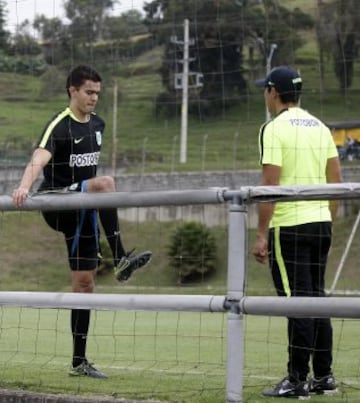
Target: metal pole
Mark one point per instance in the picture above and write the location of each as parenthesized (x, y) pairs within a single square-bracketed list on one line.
[(184, 104), (268, 69), (345, 254), (114, 136), (235, 285)]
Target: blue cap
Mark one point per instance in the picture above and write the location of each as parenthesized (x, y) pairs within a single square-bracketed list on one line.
[(283, 78)]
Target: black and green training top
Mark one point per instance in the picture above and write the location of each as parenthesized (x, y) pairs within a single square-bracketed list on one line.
[(75, 148)]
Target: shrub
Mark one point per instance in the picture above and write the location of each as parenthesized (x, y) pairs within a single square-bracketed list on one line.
[(192, 250)]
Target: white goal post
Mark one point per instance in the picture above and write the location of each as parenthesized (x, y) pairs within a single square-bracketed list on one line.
[(348, 307), (245, 195)]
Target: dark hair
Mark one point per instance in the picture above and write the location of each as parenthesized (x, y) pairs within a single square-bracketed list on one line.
[(292, 96), (79, 75), (288, 97)]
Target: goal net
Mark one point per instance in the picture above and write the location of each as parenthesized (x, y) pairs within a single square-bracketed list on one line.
[(181, 113)]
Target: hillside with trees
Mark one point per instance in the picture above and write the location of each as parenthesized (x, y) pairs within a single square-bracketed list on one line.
[(140, 53), (231, 38)]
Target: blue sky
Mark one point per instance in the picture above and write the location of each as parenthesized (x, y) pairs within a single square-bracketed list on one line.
[(20, 10)]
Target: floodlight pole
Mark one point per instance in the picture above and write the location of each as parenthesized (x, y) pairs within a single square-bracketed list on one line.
[(273, 47), (182, 82), (185, 94)]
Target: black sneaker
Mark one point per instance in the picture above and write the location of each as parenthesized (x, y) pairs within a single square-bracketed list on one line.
[(87, 369), (286, 388), (323, 386), (129, 263)]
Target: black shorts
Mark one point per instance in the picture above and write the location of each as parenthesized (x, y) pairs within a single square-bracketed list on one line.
[(81, 234)]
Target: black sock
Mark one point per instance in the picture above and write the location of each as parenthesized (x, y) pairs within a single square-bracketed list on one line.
[(110, 223), (80, 319)]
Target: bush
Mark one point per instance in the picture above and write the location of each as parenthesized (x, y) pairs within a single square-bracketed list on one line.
[(192, 250), (22, 64)]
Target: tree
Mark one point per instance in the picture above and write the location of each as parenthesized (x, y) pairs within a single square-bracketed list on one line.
[(222, 30), (23, 42), (268, 22), (4, 34), (216, 54), (124, 26), (338, 33), (55, 38), (86, 26)]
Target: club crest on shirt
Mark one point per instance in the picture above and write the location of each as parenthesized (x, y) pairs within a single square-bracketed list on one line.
[(98, 137)]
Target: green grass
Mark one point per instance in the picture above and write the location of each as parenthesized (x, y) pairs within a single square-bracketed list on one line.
[(168, 356), (38, 254), (163, 355), (149, 143), (145, 354)]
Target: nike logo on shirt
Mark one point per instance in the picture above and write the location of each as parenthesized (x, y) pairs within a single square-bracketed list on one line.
[(79, 140)]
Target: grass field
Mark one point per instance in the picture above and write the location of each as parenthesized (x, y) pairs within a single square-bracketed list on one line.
[(177, 357), (29, 266)]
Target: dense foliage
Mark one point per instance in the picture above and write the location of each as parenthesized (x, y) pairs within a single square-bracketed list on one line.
[(231, 38), (192, 250), (222, 31)]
